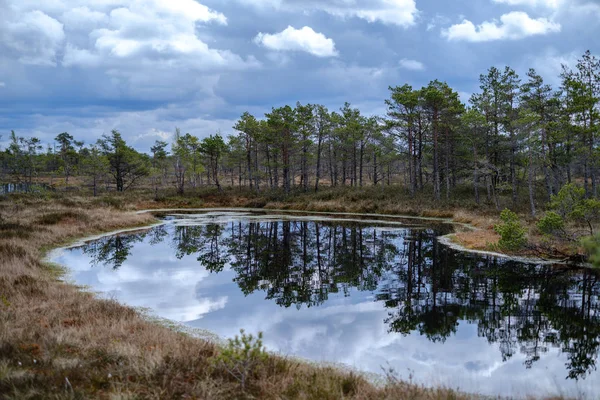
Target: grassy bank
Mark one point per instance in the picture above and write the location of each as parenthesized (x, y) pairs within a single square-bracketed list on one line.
[(57, 341)]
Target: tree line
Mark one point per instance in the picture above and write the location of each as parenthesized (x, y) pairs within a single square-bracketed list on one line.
[(517, 137)]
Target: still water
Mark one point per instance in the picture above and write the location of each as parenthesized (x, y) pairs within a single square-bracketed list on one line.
[(366, 294)]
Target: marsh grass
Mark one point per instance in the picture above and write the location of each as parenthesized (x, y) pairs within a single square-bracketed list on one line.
[(58, 342), (15, 230), (54, 218)]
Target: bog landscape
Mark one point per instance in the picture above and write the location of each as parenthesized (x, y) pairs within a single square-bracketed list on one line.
[(434, 233)]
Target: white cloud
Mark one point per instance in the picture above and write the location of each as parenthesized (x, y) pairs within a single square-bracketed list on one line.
[(552, 4), (559, 8), (34, 37), (152, 32), (2, 84), (512, 26), (391, 12), (189, 9), (114, 34), (82, 18), (292, 39), (140, 128), (436, 21), (412, 65), (549, 64)]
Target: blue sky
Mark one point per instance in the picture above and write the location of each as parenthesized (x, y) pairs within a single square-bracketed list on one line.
[(146, 66)]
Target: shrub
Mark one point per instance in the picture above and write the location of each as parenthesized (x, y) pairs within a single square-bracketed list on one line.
[(241, 356), (567, 200), (570, 204), (591, 244), (588, 212), (109, 201), (552, 224), (512, 234)]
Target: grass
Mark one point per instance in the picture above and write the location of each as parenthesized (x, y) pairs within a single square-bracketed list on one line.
[(59, 342), (54, 218), (481, 240)]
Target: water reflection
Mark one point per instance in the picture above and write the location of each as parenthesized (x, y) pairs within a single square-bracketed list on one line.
[(418, 286)]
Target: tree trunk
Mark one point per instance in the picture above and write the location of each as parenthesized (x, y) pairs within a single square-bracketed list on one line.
[(318, 168), (531, 184), (249, 160), (476, 175), (513, 172), (447, 145), (436, 167), (360, 160)]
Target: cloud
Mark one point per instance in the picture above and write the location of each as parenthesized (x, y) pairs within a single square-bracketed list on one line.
[(412, 65), (437, 20), (140, 127), (557, 7), (512, 26), (292, 39), (114, 34), (549, 64), (34, 38), (552, 4), (145, 66), (390, 12), (82, 18), (157, 33), (2, 84)]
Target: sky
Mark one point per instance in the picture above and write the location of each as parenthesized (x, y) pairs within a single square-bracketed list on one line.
[(144, 67)]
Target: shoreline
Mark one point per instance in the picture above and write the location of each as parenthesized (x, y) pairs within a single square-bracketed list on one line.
[(447, 240)]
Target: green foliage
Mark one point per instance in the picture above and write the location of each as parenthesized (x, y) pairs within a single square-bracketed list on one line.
[(568, 199), (552, 224), (570, 204), (512, 234), (241, 356), (591, 244), (125, 164), (589, 212)]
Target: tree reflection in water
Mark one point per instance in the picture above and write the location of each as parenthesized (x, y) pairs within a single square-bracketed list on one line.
[(425, 286)]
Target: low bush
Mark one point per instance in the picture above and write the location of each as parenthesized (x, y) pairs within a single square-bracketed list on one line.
[(552, 224), (512, 233), (242, 356), (591, 244)]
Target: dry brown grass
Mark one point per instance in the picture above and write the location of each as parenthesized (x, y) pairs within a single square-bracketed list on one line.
[(481, 221), (482, 239)]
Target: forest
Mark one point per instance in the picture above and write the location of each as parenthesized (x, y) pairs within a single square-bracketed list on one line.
[(515, 145)]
